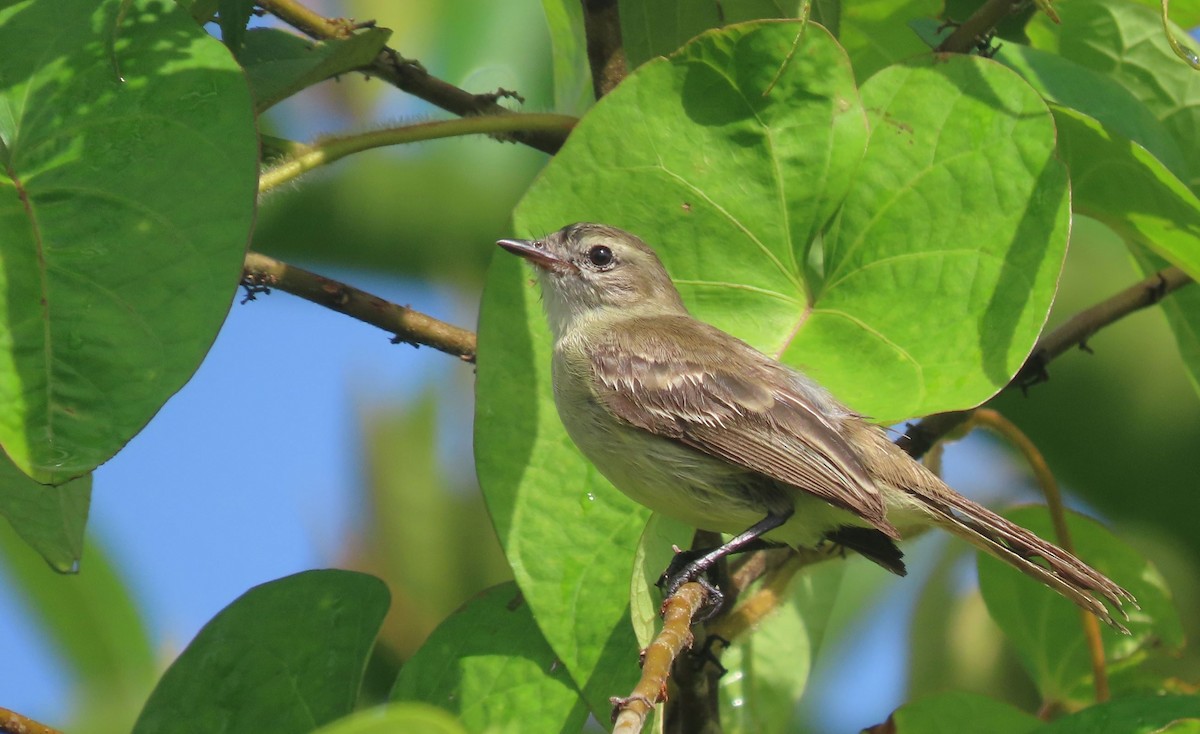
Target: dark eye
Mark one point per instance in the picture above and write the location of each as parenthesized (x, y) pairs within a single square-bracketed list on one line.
[(600, 256)]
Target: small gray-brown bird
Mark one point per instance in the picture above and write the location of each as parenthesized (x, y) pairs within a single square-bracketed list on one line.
[(698, 425)]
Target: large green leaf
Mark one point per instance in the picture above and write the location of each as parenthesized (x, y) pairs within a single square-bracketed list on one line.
[(1045, 628), (960, 207), (1119, 183), (489, 664), (875, 33), (953, 712), (128, 153), (394, 718), (661, 27), (1097, 95), (51, 519), (1126, 43), (286, 656), (1133, 715)]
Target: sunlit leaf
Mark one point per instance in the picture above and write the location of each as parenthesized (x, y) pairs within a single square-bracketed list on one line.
[(286, 656), (1125, 42), (489, 664), (396, 717), (951, 713), (129, 156)]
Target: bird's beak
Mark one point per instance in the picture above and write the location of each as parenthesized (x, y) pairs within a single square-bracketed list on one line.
[(536, 253)]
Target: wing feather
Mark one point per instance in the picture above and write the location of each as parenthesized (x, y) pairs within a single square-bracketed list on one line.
[(685, 380)]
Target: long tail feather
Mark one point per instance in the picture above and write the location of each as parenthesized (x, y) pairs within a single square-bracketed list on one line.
[(1018, 547)]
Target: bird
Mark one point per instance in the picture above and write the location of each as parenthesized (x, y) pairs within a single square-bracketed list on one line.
[(698, 425)]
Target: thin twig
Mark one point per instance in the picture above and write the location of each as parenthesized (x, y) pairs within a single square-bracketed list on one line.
[(13, 723), (606, 51), (327, 150), (993, 421), (261, 273), (1075, 332), (630, 712), (408, 75)]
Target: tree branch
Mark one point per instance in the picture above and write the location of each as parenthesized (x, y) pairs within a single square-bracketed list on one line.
[(630, 712), (408, 75), (606, 51), (327, 150), (261, 273), (1075, 332), (13, 723)]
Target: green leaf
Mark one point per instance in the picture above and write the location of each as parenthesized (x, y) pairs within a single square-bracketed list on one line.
[(948, 713), (1133, 715), (235, 14), (396, 717), (1128, 189), (92, 621), (50, 519), (572, 75), (769, 669), (1125, 42), (1096, 95), (661, 27), (129, 155), (960, 206), (489, 665), (286, 656), (280, 64), (875, 32), (1045, 628), (1182, 310), (569, 536)]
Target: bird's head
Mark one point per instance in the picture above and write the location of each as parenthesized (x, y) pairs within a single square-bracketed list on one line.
[(590, 271)]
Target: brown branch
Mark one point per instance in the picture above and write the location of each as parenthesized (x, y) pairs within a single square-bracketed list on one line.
[(976, 28), (1075, 332), (605, 49), (13, 723), (993, 421), (261, 273), (630, 712), (408, 75)]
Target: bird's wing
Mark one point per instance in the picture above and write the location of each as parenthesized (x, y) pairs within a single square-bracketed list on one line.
[(685, 380)]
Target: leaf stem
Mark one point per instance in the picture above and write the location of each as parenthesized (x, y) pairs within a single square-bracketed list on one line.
[(327, 150), (997, 423), (261, 273)]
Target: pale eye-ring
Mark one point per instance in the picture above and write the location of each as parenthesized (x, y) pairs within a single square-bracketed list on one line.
[(600, 256)]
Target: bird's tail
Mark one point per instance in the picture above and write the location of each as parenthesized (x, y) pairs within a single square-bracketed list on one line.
[(1018, 547)]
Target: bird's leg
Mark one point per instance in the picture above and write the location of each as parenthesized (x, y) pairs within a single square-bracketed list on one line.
[(692, 565)]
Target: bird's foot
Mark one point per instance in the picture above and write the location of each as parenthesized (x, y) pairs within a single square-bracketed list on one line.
[(688, 566)]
